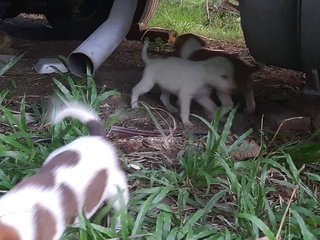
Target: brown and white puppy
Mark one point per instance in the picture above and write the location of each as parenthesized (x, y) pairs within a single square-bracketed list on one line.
[(187, 79), (186, 44), (190, 46), (77, 177)]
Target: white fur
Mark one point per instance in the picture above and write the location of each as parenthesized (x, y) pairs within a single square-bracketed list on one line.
[(75, 110), (96, 153), (192, 44), (186, 79), (144, 53), (189, 47)]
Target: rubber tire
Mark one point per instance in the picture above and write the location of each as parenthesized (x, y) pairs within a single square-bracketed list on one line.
[(310, 35), (271, 31), (5, 10)]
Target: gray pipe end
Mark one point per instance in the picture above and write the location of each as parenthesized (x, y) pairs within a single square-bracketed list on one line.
[(78, 63)]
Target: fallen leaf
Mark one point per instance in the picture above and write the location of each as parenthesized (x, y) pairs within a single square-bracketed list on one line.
[(248, 149)]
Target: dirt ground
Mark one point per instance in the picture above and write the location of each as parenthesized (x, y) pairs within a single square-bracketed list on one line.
[(278, 91)]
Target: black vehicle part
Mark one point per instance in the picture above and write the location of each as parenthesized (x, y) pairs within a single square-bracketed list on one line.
[(12, 8), (310, 34), (270, 31), (78, 19), (283, 33), (4, 5)]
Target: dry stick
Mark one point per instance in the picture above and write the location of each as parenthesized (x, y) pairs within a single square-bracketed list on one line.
[(280, 126), (33, 96), (285, 213), (171, 130), (261, 130), (230, 7), (164, 136), (207, 11)]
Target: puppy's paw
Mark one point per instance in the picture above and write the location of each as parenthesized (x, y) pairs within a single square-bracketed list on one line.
[(134, 105), (117, 229), (188, 124)]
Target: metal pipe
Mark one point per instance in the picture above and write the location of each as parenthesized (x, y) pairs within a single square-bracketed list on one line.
[(103, 41)]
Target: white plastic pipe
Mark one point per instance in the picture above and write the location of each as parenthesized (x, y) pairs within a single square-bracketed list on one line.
[(102, 42)]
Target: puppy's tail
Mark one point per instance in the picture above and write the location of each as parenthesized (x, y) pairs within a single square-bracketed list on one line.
[(80, 112), (144, 53)]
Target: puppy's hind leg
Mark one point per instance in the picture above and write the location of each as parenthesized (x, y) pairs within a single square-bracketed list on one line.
[(165, 99), (144, 86)]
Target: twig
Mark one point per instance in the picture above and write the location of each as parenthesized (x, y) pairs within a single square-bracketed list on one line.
[(280, 126), (229, 7), (208, 11), (286, 212)]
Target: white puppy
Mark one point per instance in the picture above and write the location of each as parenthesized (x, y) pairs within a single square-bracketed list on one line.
[(190, 46), (186, 79), (77, 177)]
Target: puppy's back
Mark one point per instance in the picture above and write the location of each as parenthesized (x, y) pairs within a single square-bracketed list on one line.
[(172, 73), (186, 44)]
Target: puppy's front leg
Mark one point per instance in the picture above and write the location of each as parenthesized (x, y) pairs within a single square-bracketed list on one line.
[(226, 102), (165, 99), (144, 86), (206, 102), (117, 187), (117, 206), (185, 101)]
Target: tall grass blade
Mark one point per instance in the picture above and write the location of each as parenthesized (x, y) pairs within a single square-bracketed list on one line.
[(10, 64), (307, 235), (260, 224)]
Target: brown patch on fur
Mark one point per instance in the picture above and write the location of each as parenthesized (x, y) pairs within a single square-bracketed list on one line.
[(67, 158), (94, 191), (181, 40), (242, 70), (166, 35), (45, 223), (41, 179), (69, 203), (8, 233), (45, 177), (95, 128)]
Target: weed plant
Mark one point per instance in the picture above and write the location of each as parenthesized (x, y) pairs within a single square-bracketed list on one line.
[(208, 196)]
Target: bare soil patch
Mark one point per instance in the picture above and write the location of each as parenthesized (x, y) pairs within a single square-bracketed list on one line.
[(278, 91)]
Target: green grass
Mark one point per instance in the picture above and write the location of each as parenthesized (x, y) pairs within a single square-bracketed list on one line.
[(203, 194), (190, 16)]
